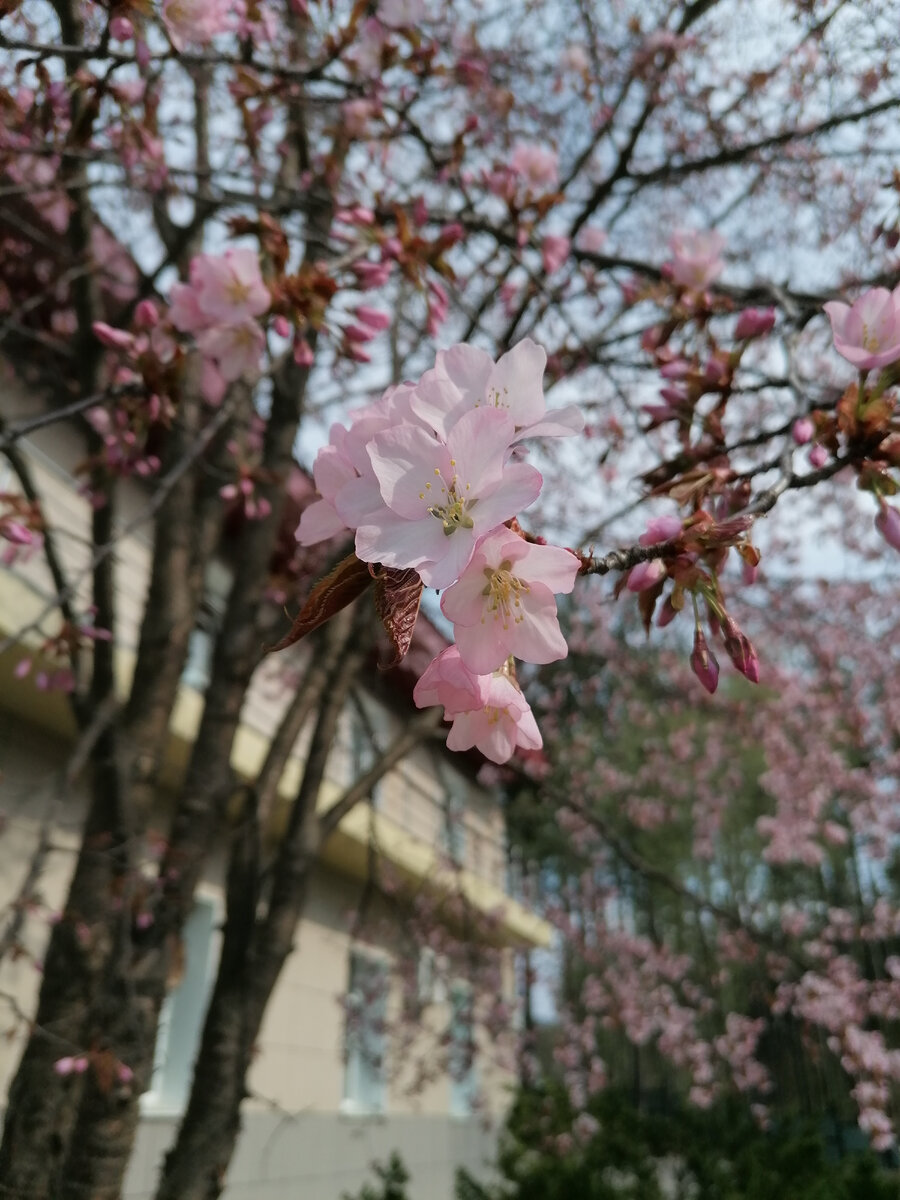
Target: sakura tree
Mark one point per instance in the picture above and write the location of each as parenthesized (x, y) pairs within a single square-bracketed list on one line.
[(227, 228)]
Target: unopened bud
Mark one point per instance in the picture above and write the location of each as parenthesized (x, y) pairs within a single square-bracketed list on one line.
[(741, 650), (803, 431), (704, 663), (754, 322), (887, 522)]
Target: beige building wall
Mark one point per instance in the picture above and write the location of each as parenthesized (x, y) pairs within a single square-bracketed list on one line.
[(427, 812), (296, 1138)]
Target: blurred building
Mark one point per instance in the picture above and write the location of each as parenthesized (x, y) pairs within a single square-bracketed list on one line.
[(331, 1092)]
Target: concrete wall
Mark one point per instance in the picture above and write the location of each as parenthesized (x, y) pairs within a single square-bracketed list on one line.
[(319, 1157)]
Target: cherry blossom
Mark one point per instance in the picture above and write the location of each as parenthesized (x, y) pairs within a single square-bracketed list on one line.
[(502, 725), (537, 166), (465, 377), (696, 262), (449, 682), (503, 603), (229, 287), (867, 332), (440, 497), (235, 349)]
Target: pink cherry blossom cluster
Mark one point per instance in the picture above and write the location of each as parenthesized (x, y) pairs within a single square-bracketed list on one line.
[(429, 477), (218, 307)]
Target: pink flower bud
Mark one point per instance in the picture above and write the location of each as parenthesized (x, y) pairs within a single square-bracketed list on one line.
[(16, 533), (146, 315), (887, 522), (818, 457), (121, 29), (803, 431), (282, 326), (116, 339), (703, 663), (667, 614), (660, 529), (303, 355), (740, 650), (22, 668), (124, 1073), (673, 395), (646, 575), (676, 369), (754, 322), (373, 317), (358, 333)]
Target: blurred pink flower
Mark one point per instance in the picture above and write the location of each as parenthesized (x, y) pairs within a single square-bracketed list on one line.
[(535, 165), (867, 332), (696, 261)]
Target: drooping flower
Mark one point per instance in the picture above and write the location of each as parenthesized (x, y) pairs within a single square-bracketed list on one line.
[(503, 603), (504, 723), (439, 496), (449, 682), (867, 332), (696, 262)]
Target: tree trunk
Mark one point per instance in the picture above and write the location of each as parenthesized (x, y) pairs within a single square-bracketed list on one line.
[(253, 954)]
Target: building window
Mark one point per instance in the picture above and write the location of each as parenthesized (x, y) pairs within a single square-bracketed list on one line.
[(461, 1062), (365, 1089), (182, 1014)]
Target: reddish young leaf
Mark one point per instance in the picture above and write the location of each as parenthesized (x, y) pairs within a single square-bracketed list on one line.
[(340, 587), (397, 597)]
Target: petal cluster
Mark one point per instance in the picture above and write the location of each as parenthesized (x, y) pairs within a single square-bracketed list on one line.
[(428, 478), (218, 306)]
